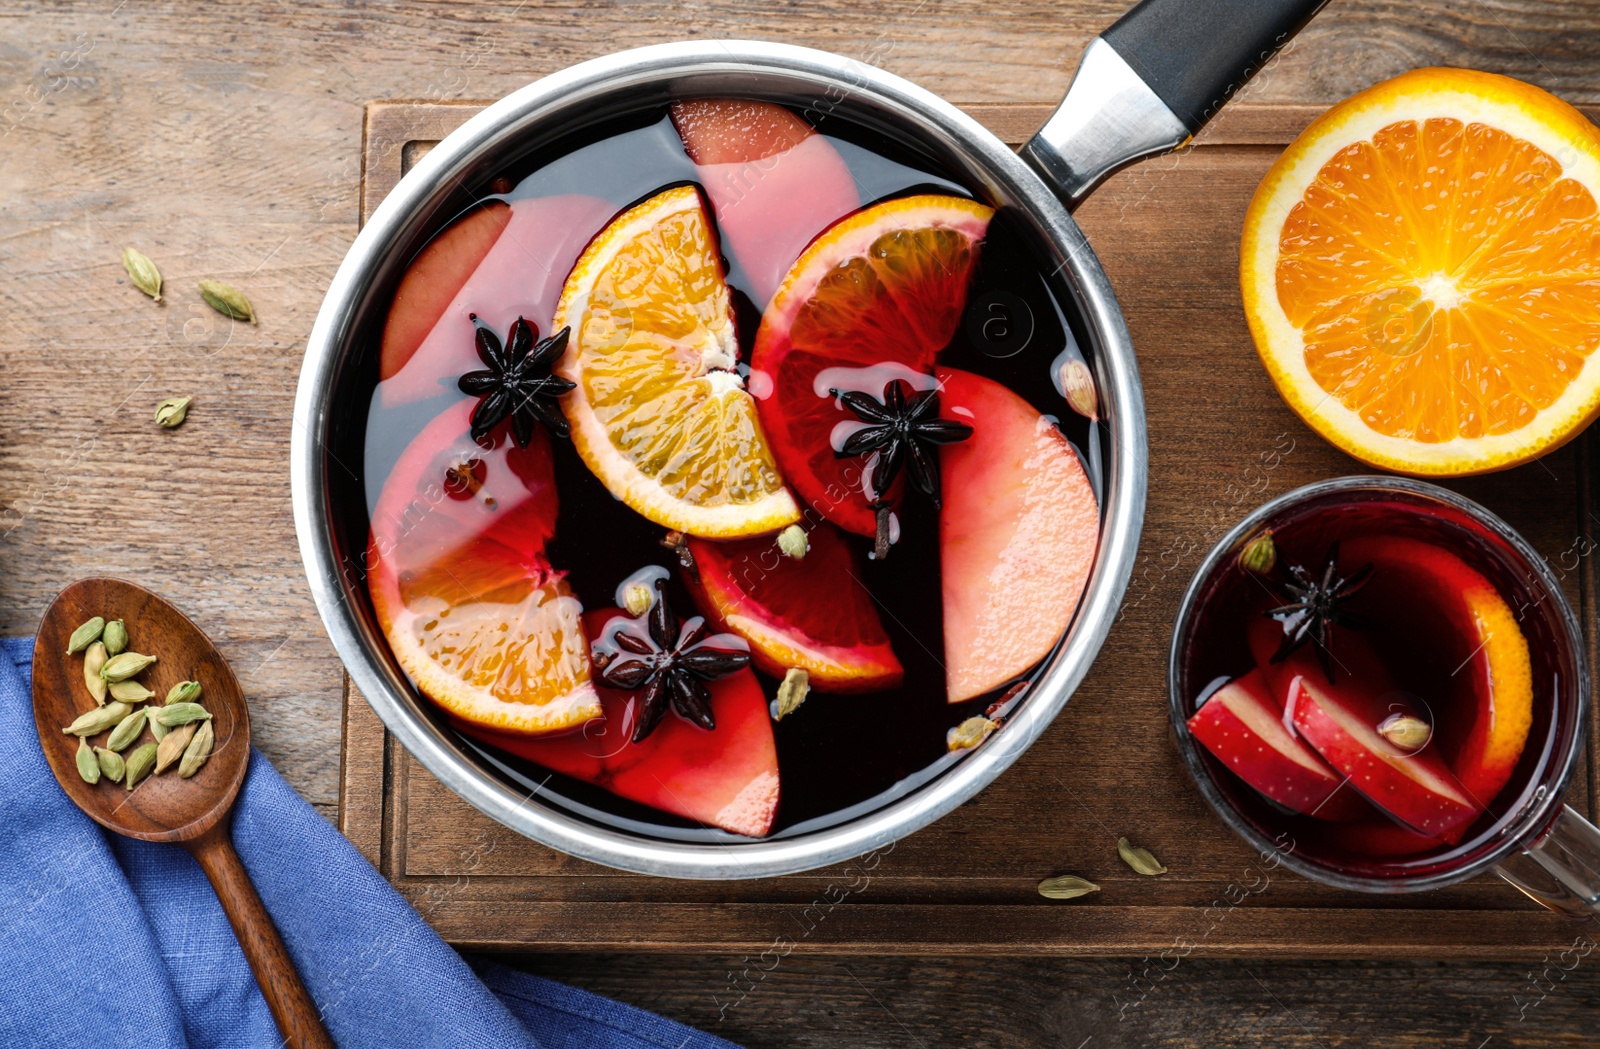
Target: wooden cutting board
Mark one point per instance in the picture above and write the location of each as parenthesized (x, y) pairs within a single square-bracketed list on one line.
[(1221, 443)]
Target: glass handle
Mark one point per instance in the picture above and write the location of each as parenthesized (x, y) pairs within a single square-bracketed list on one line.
[(1560, 869)]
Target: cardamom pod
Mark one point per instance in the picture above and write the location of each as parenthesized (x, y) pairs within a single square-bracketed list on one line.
[(792, 542), (115, 637), (172, 748), (85, 635), (142, 272), (94, 657), (198, 751), (1259, 554), (1066, 887), (637, 599), (1077, 386), (98, 720), (111, 764), (174, 714), (969, 733), (1406, 732), (183, 692), (130, 692), (171, 412), (124, 666), (1143, 861), (130, 729), (139, 764), (227, 300), (792, 692), (88, 764)]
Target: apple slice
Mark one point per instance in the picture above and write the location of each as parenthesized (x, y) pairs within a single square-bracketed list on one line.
[(726, 778), (1340, 721), (774, 183), (1241, 725), (433, 279), (1017, 535), (500, 262)]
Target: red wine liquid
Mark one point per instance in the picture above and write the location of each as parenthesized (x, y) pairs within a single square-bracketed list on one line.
[(1423, 654), (842, 753)]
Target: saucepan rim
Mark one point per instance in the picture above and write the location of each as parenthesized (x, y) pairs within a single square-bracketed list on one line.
[(750, 67)]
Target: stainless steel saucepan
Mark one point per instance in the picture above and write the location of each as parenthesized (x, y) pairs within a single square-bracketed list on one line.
[(1144, 86)]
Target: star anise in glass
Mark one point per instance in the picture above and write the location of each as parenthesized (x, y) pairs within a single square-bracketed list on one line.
[(903, 431), (518, 383), (1314, 605), (670, 661)]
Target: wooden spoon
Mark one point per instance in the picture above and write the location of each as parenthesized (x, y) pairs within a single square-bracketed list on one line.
[(194, 812)]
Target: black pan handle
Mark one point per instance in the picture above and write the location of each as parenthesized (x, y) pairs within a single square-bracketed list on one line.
[(1195, 54), (1153, 79)]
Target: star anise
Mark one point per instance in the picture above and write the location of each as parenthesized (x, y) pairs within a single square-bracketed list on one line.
[(1314, 605), (518, 382), (902, 431), (670, 661)]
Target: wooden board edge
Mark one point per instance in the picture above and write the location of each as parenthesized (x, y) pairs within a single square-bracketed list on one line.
[(1094, 931), (363, 784)]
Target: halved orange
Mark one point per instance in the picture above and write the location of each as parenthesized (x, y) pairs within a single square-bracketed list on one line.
[(462, 590), (873, 300), (659, 413), (1421, 273)]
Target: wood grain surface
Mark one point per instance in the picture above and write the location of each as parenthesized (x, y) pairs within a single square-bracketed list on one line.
[(224, 140)]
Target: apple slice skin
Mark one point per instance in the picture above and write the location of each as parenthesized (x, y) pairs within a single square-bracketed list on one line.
[(1418, 789), (774, 182), (1241, 725), (1018, 534), (500, 262), (433, 279), (725, 778)]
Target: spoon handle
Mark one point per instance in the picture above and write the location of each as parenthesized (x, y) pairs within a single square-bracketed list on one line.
[(297, 1016)]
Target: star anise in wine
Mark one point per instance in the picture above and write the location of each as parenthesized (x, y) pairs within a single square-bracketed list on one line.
[(518, 384), (670, 661), (1314, 605), (903, 431)]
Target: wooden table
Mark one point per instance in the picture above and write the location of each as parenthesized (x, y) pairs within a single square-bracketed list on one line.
[(224, 140)]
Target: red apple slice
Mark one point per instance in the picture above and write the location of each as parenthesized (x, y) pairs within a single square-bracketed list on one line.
[(774, 183), (433, 279), (500, 262), (1017, 535), (1340, 721), (725, 778), (1241, 725)]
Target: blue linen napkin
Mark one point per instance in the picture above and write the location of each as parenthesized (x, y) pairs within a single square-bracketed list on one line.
[(109, 941)]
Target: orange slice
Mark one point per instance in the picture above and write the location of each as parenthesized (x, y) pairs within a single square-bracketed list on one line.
[(659, 413), (873, 300), (1495, 678), (1421, 273), (461, 587), (812, 614)]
